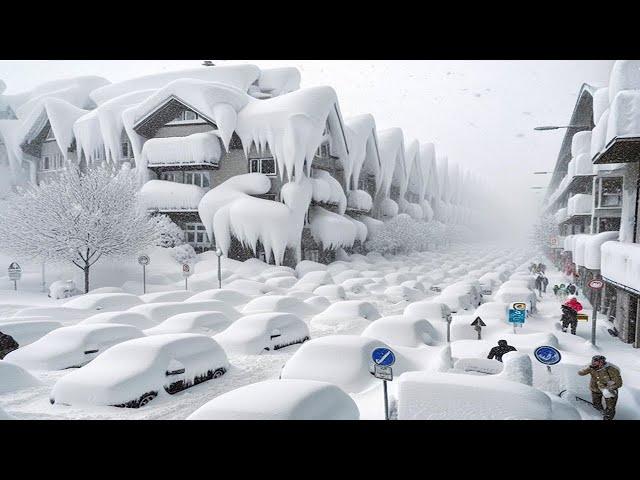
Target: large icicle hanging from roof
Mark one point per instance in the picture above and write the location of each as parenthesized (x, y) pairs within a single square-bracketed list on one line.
[(292, 126)]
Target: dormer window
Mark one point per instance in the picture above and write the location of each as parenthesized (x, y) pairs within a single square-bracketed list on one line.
[(50, 135)]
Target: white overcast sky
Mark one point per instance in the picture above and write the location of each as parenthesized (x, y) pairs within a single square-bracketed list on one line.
[(480, 113)]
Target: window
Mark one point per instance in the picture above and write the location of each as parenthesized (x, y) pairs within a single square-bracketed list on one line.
[(186, 116), (170, 177), (126, 149), (45, 163), (196, 235), (262, 165), (609, 192), (200, 179), (50, 135), (323, 151), (311, 254), (608, 224)]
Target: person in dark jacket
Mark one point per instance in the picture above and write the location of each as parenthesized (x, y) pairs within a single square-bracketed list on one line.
[(7, 345), (569, 317), (555, 289), (500, 350), (572, 289), (542, 267), (605, 382), (545, 282), (538, 284)]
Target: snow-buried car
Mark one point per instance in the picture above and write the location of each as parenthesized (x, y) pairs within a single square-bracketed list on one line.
[(133, 373)]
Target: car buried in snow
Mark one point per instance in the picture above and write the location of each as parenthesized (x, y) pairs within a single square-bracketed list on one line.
[(133, 373), (253, 334)]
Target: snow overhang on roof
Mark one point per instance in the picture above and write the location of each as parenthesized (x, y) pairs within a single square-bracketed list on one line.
[(238, 76), (278, 81), (76, 91), (364, 154), (391, 146), (168, 196), (293, 127), (197, 149), (59, 114)]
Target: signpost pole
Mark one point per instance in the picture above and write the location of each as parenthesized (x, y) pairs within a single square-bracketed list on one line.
[(144, 279), (386, 400), (186, 285), (479, 329), (44, 283), (449, 329), (15, 285), (595, 318)]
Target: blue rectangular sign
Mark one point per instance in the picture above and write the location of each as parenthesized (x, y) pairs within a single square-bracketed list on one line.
[(517, 316)]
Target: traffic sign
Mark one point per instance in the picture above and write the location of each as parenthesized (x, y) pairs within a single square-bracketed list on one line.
[(383, 356), (518, 312), (383, 372), (436, 289), (144, 260), (15, 271), (186, 269), (596, 284), (478, 323), (547, 355)]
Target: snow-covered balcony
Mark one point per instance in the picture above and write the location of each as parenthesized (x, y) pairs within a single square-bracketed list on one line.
[(622, 140), (327, 191), (580, 204), (412, 209), (359, 201), (388, 208), (591, 257), (334, 231), (165, 196), (196, 151), (561, 215), (621, 263)]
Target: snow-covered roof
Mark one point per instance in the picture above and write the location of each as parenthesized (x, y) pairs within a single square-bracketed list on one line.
[(76, 91), (278, 81), (359, 200), (624, 116), (59, 114), (168, 196), (391, 147), (239, 76), (625, 75), (363, 149)]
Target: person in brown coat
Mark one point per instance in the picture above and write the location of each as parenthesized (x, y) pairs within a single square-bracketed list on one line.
[(605, 382)]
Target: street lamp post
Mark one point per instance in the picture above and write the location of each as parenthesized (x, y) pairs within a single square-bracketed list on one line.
[(219, 254)]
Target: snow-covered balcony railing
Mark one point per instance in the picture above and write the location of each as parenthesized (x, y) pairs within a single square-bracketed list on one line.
[(579, 244), (622, 140), (561, 215), (388, 208), (327, 191), (359, 201), (414, 210), (165, 196), (199, 151), (580, 204), (588, 249), (621, 264)]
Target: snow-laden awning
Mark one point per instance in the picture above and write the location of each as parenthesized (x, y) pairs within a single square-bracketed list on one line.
[(560, 216), (581, 143), (363, 150), (331, 229), (75, 91), (170, 196), (592, 250), (196, 149), (621, 263), (625, 75), (238, 76), (388, 208), (361, 229), (359, 200), (600, 103)]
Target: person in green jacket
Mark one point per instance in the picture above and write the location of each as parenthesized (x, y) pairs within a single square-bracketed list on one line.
[(605, 382)]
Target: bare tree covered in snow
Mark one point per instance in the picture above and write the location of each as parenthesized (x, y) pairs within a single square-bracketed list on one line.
[(79, 217), (171, 235)]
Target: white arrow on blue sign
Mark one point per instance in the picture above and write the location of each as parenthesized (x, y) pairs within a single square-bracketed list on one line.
[(383, 356)]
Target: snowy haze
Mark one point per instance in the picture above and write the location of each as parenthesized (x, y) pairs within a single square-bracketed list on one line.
[(480, 113)]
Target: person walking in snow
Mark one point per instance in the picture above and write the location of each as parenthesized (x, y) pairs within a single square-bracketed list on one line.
[(605, 382), (556, 288), (569, 317), (7, 345), (572, 289), (541, 267), (502, 348), (538, 284), (545, 282), (562, 292)]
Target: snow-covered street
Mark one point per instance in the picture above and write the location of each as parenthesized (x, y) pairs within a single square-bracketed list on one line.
[(389, 286)]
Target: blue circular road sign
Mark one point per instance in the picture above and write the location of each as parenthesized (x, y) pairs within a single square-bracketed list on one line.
[(383, 356), (547, 355)]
